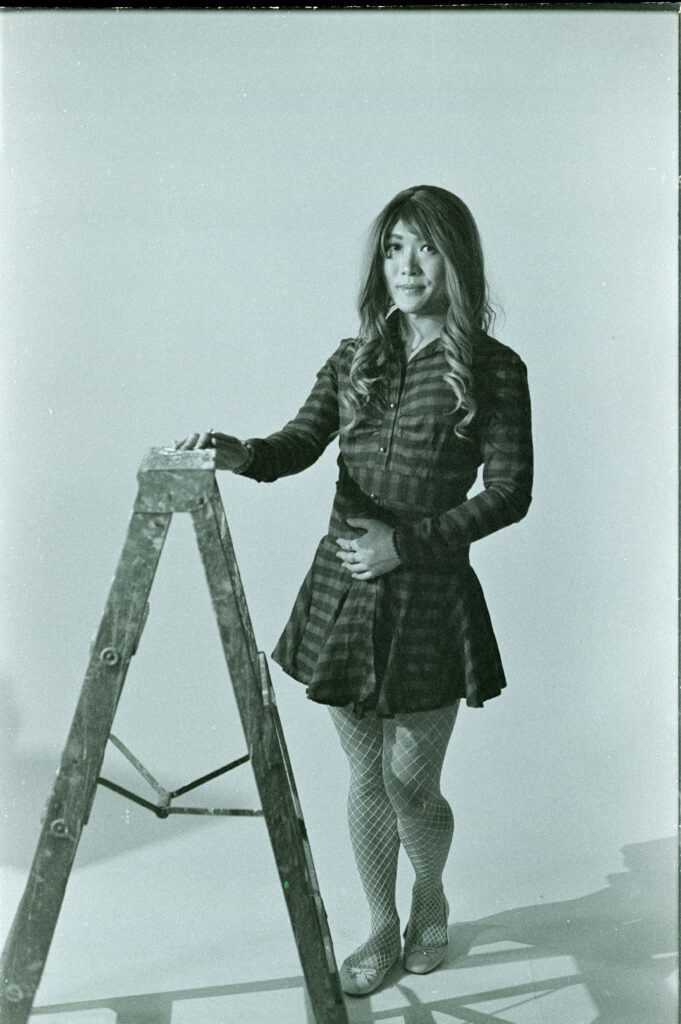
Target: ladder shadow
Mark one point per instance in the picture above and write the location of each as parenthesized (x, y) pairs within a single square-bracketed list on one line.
[(621, 940), (157, 1007)]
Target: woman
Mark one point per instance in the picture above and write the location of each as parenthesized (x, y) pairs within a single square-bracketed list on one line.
[(390, 628)]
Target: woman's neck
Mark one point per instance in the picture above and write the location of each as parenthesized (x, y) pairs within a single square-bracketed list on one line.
[(418, 331)]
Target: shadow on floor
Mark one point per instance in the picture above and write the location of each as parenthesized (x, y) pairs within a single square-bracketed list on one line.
[(157, 1007), (623, 938), (622, 941)]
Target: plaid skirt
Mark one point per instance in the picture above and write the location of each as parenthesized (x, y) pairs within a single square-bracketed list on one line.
[(409, 640)]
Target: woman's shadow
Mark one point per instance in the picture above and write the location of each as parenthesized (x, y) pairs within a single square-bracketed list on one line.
[(622, 941)]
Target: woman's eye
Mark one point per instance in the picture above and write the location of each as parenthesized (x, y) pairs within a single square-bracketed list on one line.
[(429, 248), (391, 249)]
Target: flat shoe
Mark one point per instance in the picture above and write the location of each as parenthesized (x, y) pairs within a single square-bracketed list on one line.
[(360, 981), (423, 959)]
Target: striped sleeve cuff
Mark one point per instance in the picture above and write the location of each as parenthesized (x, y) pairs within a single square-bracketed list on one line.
[(248, 461)]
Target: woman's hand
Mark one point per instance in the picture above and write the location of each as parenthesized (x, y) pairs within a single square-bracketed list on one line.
[(370, 555), (231, 453)]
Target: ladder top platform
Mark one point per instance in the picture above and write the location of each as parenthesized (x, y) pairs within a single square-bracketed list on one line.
[(169, 459)]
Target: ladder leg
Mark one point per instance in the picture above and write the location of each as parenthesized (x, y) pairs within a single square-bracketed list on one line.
[(231, 610), (294, 856), (270, 765), (35, 921)]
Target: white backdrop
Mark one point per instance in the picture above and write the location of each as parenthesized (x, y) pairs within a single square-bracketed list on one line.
[(185, 197)]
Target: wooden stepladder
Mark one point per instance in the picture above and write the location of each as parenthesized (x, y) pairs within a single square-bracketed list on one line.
[(170, 482)]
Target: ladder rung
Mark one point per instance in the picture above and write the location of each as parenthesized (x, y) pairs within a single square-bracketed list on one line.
[(163, 810), (237, 812)]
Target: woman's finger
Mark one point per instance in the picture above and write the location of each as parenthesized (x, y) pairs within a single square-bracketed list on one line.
[(356, 565), (188, 443), (360, 522), (351, 554), (347, 558)]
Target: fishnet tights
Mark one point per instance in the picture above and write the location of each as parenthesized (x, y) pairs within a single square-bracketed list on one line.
[(394, 797)]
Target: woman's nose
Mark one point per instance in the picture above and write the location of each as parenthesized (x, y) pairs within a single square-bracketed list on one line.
[(410, 265)]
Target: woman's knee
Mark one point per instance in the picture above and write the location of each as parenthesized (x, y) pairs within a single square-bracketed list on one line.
[(412, 782), (410, 795)]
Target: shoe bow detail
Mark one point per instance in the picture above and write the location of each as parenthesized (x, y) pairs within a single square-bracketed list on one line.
[(360, 980), (366, 973)]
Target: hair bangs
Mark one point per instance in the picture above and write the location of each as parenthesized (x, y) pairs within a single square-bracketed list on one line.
[(417, 218)]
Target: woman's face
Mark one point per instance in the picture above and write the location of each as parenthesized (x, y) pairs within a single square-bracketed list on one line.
[(414, 273)]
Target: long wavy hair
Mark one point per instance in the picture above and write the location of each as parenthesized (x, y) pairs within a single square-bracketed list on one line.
[(446, 223)]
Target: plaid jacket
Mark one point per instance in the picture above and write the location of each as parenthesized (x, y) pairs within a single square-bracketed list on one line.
[(420, 636)]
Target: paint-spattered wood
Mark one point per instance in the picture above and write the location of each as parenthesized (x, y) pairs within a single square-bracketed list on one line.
[(305, 904), (170, 482), (271, 765), (29, 941)]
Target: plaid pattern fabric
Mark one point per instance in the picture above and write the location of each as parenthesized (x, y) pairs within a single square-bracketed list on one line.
[(419, 637)]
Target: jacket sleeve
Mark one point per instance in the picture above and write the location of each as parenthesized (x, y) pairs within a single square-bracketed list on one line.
[(304, 438), (505, 433)]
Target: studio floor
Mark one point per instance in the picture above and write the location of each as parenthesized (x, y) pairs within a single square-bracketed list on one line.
[(183, 922)]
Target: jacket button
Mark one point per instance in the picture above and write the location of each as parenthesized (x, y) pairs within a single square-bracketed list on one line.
[(382, 448)]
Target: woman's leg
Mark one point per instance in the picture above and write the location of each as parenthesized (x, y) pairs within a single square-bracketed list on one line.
[(373, 832), (413, 754)]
